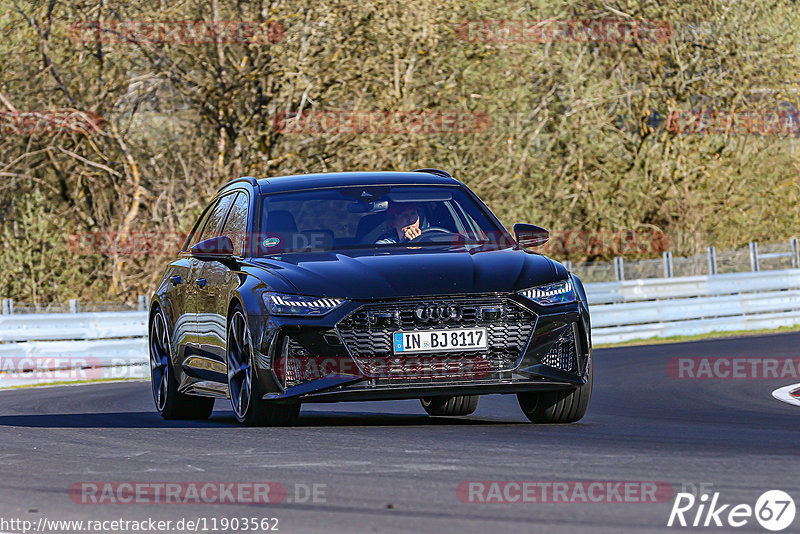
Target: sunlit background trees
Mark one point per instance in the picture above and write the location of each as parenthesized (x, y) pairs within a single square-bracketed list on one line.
[(577, 136)]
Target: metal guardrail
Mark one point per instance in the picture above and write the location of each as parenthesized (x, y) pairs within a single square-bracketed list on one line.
[(50, 347), (665, 307), (72, 326), (621, 311), (619, 334), (692, 286), (677, 310), (67, 354)]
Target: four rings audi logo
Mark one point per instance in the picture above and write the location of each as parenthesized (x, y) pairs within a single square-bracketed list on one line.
[(437, 314)]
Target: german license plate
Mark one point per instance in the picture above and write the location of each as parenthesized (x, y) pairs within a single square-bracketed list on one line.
[(439, 340)]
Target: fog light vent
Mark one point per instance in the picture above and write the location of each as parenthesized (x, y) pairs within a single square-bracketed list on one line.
[(562, 354), (292, 368)]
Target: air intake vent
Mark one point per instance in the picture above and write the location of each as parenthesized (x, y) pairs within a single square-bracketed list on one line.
[(562, 354)]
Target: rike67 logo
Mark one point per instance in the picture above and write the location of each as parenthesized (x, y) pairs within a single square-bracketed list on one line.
[(774, 510)]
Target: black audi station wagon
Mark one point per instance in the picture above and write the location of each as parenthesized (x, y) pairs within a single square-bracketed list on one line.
[(365, 286)]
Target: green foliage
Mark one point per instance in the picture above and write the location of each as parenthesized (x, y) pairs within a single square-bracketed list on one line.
[(37, 259)]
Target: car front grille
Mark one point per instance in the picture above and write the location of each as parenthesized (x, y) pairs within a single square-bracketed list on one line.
[(367, 333)]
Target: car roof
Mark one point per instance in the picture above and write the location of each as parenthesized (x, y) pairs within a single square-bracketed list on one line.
[(337, 179)]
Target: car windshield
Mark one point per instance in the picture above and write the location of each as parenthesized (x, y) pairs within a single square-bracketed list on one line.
[(375, 217)]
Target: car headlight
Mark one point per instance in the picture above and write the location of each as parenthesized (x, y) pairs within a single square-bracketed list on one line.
[(280, 304), (547, 295)]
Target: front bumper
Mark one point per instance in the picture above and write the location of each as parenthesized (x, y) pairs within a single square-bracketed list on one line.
[(347, 355)]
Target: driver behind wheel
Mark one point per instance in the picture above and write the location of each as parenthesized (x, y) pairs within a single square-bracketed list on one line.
[(402, 223)]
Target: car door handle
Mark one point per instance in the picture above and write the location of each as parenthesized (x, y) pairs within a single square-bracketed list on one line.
[(202, 282), (176, 280)]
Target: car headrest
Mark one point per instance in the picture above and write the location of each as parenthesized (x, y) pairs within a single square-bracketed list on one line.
[(281, 221)]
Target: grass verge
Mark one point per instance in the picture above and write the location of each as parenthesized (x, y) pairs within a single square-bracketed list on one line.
[(71, 382)]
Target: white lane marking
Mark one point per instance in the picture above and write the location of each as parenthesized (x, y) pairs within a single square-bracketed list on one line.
[(333, 463), (785, 394)]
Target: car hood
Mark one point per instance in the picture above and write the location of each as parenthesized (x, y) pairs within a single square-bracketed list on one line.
[(403, 273)]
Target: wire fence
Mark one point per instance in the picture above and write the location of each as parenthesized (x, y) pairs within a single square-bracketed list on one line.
[(9, 306), (753, 258)]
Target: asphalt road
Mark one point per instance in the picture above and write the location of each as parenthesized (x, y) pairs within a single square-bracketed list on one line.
[(386, 467)]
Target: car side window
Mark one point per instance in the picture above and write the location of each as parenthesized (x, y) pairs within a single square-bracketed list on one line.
[(198, 227), (216, 218), (236, 225)]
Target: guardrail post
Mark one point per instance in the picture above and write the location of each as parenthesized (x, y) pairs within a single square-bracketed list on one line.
[(754, 256), (8, 306), (73, 306), (619, 269), (712, 260), (667, 264), (795, 254), (143, 304)]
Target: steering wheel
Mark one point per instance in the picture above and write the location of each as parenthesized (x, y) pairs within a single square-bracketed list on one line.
[(432, 231)]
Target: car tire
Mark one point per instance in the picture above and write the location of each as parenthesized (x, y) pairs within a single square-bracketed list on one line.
[(450, 406), (170, 403), (244, 388), (558, 407)]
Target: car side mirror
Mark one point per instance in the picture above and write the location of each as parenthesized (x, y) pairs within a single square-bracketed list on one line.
[(529, 236), (216, 248)]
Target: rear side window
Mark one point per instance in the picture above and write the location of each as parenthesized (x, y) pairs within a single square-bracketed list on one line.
[(236, 225), (216, 217), (198, 228)]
